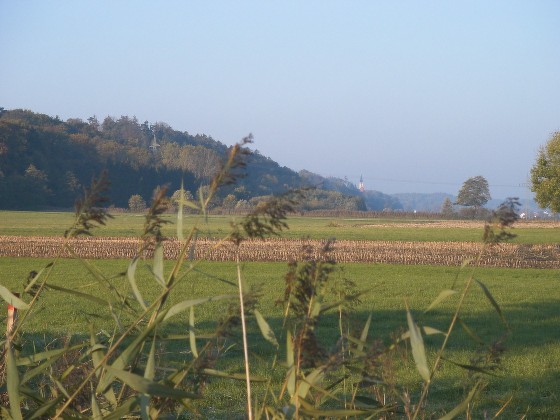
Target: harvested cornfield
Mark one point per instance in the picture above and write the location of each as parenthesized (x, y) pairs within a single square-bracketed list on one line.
[(390, 252)]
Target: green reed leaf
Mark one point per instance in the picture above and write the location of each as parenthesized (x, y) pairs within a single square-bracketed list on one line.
[(36, 277), (46, 410), (463, 405), (150, 387), (236, 376), (32, 359), (469, 331), (443, 295), (471, 368), (158, 264), (364, 334), (290, 358), (95, 411), (426, 330), (310, 380), (192, 335), (131, 275), (87, 296), (492, 301), (12, 299), (149, 373), (418, 350), (186, 304), (266, 331), (13, 381), (123, 410), (129, 353), (97, 354)]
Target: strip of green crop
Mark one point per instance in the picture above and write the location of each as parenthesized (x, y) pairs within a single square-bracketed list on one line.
[(19, 223)]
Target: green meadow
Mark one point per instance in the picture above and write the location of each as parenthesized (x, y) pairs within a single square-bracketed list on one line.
[(525, 384), (529, 374), (53, 224)]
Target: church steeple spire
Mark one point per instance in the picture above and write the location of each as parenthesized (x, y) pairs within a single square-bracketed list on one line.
[(361, 185)]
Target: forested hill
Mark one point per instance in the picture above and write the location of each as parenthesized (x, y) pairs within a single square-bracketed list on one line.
[(45, 162)]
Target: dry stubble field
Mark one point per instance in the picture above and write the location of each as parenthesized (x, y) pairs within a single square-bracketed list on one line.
[(408, 252)]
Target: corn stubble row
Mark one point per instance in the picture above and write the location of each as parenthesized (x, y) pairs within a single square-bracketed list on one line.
[(409, 253)]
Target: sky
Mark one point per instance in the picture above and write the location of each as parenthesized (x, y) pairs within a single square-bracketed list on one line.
[(415, 96)]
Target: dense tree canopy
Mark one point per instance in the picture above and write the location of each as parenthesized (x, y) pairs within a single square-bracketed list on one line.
[(545, 175), (45, 162), (475, 192)]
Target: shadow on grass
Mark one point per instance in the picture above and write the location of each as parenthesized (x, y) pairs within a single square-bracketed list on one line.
[(532, 380)]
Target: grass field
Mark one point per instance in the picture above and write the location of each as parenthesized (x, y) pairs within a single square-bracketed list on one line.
[(54, 224), (529, 374), (528, 298)]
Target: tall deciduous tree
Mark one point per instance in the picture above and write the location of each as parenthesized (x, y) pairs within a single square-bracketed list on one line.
[(447, 208), (474, 192), (136, 203), (545, 175)]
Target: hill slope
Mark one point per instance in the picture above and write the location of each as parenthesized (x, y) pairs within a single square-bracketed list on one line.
[(45, 163)]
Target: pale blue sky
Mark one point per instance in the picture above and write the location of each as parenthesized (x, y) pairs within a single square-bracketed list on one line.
[(417, 96)]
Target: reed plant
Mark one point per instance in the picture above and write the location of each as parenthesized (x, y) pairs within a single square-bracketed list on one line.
[(129, 371)]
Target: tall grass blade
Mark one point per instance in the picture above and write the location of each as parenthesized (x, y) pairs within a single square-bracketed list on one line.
[(42, 368), (418, 350), (202, 204), (95, 411), (463, 405), (180, 235), (128, 353), (123, 410), (46, 410), (87, 296), (131, 275), (36, 277), (186, 304), (472, 368), (502, 408), (444, 294), (158, 264), (12, 299), (12, 381), (492, 301), (97, 355), (236, 376), (466, 262), (150, 387), (469, 331), (266, 331), (192, 335), (313, 378), (426, 330), (49, 354), (149, 373), (290, 358), (364, 334)]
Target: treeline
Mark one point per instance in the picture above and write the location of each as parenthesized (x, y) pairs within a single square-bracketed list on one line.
[(45, 162)]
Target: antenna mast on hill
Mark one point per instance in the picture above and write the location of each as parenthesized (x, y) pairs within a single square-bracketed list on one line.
[(154, 146), (361, 185)]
